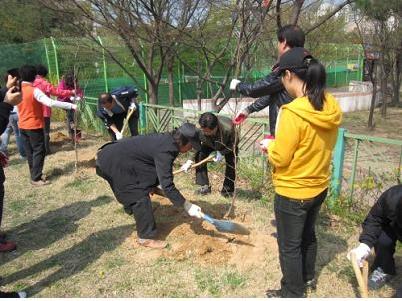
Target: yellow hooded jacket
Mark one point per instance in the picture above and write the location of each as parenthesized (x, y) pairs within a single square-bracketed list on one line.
[(302, 150)]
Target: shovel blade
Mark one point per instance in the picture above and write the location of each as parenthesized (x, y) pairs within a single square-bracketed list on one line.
[(227, 226)]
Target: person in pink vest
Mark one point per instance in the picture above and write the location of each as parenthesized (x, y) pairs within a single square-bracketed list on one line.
[(47, 88), (70, 82)]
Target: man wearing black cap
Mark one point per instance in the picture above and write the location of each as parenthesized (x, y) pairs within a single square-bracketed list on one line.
[(135, 166), (381, 229)]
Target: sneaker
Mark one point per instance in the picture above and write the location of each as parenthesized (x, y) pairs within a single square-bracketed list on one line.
[(41, 182), (378, 278), (273, 293), (13, 294), (7, 246), (227, 194), (152, 243), (204, 189)]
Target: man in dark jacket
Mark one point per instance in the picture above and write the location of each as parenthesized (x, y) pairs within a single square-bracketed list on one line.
[(9, 96), (270, 89), (135, 166), (114, 107), (381, 229), (218, 134)]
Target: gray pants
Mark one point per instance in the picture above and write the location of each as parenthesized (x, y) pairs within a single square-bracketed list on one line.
[(5, 137)]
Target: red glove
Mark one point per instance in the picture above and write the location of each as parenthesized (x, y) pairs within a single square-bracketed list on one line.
[(240, 118)]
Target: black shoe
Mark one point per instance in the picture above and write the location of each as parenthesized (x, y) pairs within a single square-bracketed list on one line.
[(13, 295), (311, 285), (273, 293), (227, 194), (204, 189)]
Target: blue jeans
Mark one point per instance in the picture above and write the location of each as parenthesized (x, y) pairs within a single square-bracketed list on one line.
[(295, 223), (5, 137)]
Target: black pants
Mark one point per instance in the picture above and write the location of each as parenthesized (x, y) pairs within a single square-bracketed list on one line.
[(384, 250), (70, 114), (119, 122), (136, 202), (201, 172), (295, 220), (2, 179), (46, 131), (34, 146)]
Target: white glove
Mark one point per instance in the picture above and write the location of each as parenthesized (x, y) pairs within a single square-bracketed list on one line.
[(233, 84), (362, 252), (192, 210), (218, 157), (74, 107), (264, 143), (186, 166), (75, 98), (118, 135), (132, 106)]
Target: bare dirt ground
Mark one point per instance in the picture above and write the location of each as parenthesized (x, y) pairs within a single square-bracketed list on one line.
[(74, 239)]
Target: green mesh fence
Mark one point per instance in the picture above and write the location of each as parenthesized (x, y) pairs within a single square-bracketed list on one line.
[(98, 72)]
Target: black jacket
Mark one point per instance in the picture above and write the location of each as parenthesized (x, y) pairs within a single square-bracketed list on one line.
[(137, 164), (225, 136), (271, 92), (385, 214), (5, 110), (116, 119)]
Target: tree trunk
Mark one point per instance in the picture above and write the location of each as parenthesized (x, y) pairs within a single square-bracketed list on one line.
[(153, 93), (373, 79), (396, 82), (198, 84), (171, 83)]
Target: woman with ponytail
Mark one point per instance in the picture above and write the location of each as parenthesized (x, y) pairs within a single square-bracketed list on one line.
[(301, 154)]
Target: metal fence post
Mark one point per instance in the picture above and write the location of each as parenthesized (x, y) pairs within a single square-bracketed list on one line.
[(143, 118), (337, 161), (55, 58), (179, 77), (47, 58), (353, 176), (104, 65)]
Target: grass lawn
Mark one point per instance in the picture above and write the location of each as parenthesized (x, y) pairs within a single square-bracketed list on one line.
[(74, 239)]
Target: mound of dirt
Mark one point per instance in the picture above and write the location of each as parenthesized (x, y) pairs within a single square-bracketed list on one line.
[(59, 137)]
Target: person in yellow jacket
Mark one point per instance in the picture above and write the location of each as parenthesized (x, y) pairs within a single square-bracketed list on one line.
[(301, 155)]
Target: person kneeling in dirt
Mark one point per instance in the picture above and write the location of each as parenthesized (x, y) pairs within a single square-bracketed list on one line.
[(381, 229), (218, 134), (115, 107), (135, 166)]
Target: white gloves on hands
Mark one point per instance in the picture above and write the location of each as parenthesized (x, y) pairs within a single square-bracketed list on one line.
[(186, 166), (75, 98), (233, 84), (362, 252), (192, 210), (118, 135), (132, 106), (74, 107), (264, 143), (218, 157)]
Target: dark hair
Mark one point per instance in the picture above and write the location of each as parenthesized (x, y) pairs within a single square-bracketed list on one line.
[(13, 72), (70, 80), (314, 77), (292, 34), (41, 70), (208, 120), (179, 138), (27, 73), (104, 98)]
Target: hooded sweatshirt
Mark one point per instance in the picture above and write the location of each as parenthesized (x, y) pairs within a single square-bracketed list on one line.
[(302, 150)]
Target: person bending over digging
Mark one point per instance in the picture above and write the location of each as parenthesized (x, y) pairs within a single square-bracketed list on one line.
[(381, 230), (135, 166), (301, 156), (218, 134), (114, 107)]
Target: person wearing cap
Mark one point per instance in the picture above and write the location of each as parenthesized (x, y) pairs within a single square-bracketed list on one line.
[(217, 134), (269, 90), (301, 155), (135, 166), (382, 228)]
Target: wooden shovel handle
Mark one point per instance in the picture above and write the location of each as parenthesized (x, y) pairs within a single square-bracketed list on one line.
[(361, 278), (207, 159), (130, 112)]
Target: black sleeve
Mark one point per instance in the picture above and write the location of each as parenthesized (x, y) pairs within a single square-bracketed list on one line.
[(5, 110), (3, 92), (260, 104), (374, 222), (271, 84), (164, 170)]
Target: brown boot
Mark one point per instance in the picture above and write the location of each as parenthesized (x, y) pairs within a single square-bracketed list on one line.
[(7, 246), (152, 243)]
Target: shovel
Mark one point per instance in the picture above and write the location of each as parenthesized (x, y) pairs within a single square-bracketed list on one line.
[(362, 277), (220, 225), (210, 158), (130, 112)]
